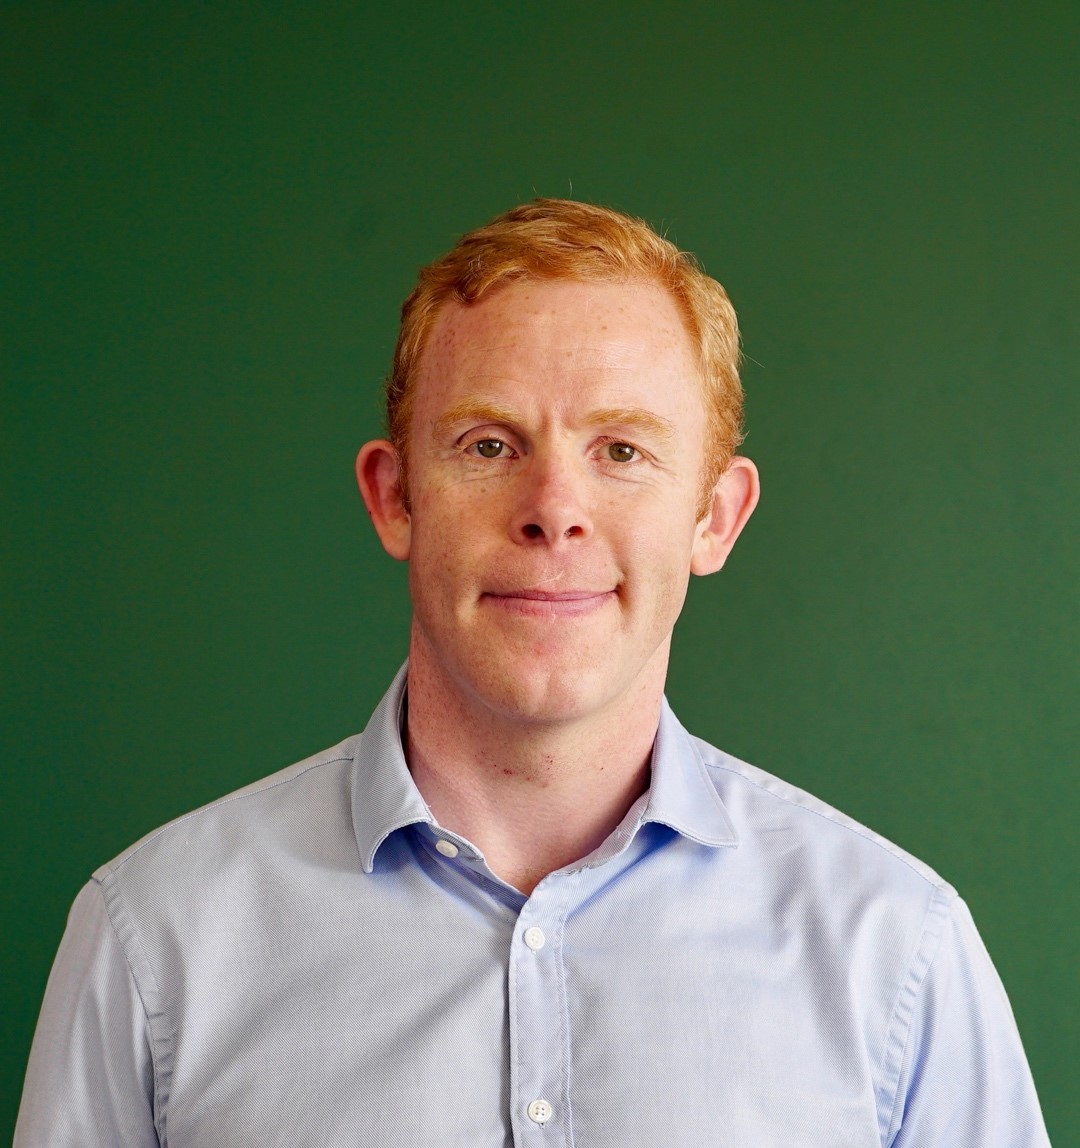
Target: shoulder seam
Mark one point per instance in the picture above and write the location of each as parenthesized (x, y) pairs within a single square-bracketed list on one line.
[(112, 900), (898, 1033), (854, 827), (114, 865)]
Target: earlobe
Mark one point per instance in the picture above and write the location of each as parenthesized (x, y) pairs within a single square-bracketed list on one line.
[(733, 500), (377, 476)]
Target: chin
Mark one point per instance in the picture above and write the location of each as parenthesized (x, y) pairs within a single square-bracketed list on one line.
[(546, 696)]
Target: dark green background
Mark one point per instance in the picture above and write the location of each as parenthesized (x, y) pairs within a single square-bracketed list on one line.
[(210, 214)]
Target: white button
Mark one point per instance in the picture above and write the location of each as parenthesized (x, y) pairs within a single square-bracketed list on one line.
[(535, 939), (540, 1111), (446, 848)]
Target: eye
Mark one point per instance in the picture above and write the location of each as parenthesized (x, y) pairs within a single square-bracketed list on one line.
[(489, 447), (621, 452)]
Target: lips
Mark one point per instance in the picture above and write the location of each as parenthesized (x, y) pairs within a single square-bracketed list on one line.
[(549, 603), (551, 595)]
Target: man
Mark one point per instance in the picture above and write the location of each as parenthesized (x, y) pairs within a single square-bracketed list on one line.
[(525, 906)]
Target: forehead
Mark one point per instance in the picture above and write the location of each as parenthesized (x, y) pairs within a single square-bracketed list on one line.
[(513, 341)]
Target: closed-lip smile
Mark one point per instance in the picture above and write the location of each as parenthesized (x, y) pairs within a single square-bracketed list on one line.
[(549, 603)]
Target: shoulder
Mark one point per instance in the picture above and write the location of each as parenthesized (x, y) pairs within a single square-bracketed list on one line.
[(781, 825), (276, 815), (880, 935)]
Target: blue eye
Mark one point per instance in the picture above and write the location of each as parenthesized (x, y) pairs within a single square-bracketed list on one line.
[(621, 452), (489, 447)]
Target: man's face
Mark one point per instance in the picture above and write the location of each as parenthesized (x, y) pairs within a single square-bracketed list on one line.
[(555, 456)]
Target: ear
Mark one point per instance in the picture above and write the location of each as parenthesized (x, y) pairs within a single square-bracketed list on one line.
[(378, 479), (733, 500)]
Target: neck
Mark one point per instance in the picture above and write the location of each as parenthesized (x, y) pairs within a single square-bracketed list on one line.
[(532, 795)]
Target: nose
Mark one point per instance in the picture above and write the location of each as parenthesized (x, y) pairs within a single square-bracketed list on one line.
[(551, 506)]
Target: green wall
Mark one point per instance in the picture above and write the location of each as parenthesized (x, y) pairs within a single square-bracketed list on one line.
[(210, 214)]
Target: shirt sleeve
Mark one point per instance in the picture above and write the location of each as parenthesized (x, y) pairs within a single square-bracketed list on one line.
[(964, 1079), (90, 1080)]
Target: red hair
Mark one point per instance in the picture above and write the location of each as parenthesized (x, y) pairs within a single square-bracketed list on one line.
[(564, 239)]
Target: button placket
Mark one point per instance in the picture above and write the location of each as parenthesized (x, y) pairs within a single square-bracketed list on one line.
[(538, 1035)]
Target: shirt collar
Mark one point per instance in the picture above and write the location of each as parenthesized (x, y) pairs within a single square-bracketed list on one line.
[(384, 795), (681, 793), (385, 798)]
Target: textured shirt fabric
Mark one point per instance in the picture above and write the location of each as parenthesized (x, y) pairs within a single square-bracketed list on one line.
[(314, 961)]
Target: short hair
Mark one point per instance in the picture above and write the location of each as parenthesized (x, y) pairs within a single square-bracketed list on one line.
[(565, 239)]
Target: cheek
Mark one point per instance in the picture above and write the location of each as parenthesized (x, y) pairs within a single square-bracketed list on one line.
[(659, 553), (463, 504), (661, 536), (447, 544)]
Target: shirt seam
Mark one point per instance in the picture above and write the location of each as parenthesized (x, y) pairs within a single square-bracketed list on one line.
[(113, 901), (564, 1012), (938, 883), (114, 866), (898, 1032)]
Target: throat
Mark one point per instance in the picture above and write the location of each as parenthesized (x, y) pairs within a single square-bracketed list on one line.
[(535, 805), (534, 793)]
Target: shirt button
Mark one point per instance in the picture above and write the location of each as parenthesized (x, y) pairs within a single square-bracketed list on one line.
[(446, 848), (535, 939), (540, 1111)]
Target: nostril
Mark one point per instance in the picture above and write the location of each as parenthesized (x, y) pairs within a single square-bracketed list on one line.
[(531, 530)]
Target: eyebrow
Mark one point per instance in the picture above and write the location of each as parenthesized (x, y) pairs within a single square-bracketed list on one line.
[(486, 411), (473, 410), (633, 418)]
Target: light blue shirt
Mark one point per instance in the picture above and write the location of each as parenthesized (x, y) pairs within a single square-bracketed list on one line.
[(314, 961)]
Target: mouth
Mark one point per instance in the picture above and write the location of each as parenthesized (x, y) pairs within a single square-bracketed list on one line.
[(549, 603)]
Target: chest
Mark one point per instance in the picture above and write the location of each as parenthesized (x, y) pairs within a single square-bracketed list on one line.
[(446, 1023)]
